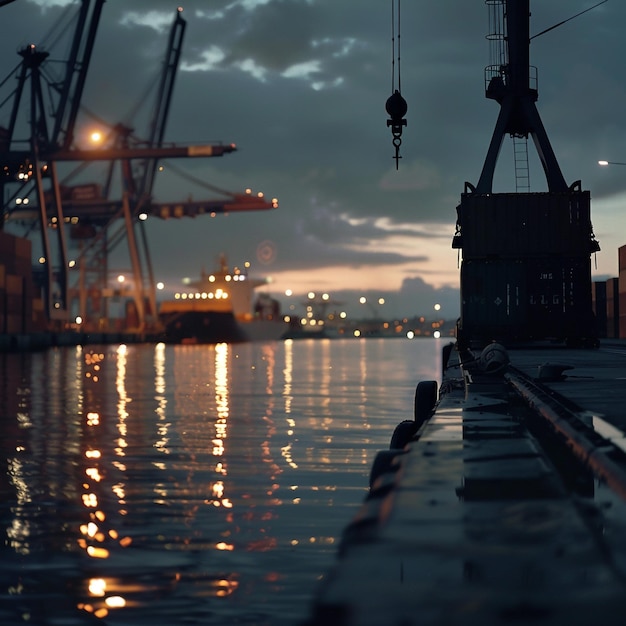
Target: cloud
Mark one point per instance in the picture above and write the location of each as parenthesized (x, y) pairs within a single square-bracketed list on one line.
[(300, 87), (160, 21)]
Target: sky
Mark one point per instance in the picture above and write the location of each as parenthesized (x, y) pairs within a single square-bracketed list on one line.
[(300, 87)]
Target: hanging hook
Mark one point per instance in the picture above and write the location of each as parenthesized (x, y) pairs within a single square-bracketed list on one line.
[(396, 107)]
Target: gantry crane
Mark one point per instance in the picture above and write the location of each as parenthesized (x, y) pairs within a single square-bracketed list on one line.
[(29, 168), (525, 273)]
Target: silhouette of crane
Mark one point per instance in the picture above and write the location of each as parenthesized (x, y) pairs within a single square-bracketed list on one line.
[(40, 135)]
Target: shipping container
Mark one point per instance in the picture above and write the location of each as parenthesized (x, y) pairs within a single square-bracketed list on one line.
[(14, 323), (621, 299), (621, 258), (14, 285), (522, 225), (515, 300), (7, 249), (598, 302), (612, 308)]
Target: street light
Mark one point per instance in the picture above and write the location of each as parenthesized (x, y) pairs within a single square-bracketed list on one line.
[(603, 163)]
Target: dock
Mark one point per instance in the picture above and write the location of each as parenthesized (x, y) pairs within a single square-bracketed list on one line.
[(504, 503)]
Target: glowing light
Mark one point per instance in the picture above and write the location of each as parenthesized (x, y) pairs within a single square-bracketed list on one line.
[(288, 292), (97, 553), (225, 587), (410, 334), (437, 307), (96, 136), (90, 500), (357, 333), (97, 587), (143, 217), (160, 286), (115, 602), (362, 299), (437, 334), (121, 279), (79, 320), (94, 474)]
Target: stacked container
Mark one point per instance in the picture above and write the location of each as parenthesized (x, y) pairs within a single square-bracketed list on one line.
[(21, 309), (526, 272)]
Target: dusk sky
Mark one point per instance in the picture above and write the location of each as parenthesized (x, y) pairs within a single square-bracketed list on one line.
[(300, 86)]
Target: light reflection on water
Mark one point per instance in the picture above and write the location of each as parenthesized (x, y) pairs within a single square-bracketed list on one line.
[(149, 484)]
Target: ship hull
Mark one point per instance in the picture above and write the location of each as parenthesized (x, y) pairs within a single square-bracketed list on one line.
[(207, 327), (193, 327)]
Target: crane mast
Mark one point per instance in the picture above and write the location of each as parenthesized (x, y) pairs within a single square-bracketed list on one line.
[(525, 271)]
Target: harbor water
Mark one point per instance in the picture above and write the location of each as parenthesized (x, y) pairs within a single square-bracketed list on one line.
[(161, 484)]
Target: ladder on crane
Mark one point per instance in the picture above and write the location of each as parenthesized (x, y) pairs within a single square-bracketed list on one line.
[(520, 156)]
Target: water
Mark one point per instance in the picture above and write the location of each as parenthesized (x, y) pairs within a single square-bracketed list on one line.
[(164, 485)]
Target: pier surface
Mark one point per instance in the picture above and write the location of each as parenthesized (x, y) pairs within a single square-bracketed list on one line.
[(507, 506)]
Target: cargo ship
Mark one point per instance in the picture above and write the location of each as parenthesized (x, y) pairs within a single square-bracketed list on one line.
[(222, 307)]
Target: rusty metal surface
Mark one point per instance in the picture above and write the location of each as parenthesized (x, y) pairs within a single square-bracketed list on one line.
[(477, 525)]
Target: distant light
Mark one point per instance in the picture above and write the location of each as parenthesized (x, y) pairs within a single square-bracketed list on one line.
[(357, 333), (362, 299), (325, 296), (71, 263), (343, 315), (436, 334), (410, 334), (115, 602), (79, 319), (603, 162), (381, 300), (288, 292), (121, 279), (143, 217), (437, 307), (160, 286), (311, 295), (42, 259), (96, 136)]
